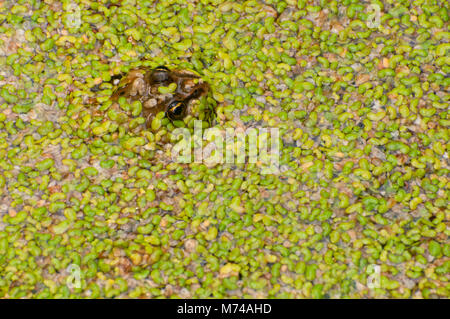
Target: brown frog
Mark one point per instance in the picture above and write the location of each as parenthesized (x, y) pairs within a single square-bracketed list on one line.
[(142, 85)]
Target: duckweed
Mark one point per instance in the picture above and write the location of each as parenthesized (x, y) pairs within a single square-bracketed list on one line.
[(362, 110)]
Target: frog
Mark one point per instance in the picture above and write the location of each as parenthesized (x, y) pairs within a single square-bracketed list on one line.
[(142, 85)]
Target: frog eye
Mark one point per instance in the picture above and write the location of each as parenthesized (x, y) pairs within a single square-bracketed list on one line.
[(115, 79), (176, 109), (160, 74), (161, 67)]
